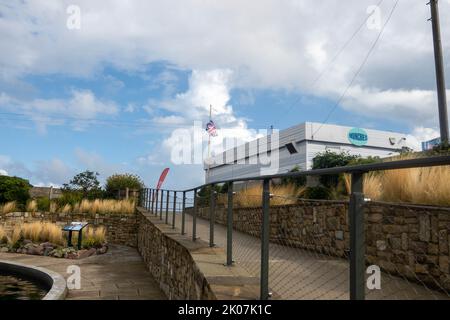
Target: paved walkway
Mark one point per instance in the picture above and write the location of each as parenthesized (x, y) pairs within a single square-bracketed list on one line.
[(299, 274), (120, 274)]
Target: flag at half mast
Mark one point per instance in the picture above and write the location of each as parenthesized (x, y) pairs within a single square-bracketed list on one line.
[(211, 128)]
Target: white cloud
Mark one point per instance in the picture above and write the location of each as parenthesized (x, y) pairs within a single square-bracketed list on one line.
[(266, 40), (130, 108), (3, 172), (419, 135), (54, 172), (44, 172), (228, 44), (79, 110), (408, 106), (211, 87), (267, 44), (191, 108), (92, 161)]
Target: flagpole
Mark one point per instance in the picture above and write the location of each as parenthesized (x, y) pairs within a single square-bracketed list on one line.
[(209, 141)]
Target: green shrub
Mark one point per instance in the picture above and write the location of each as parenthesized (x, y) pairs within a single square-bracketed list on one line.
[(69, 197), (224, 188), (14, 189), (4, 240), (118, 182), (43, 204), (329, 159), (318, 193), (360, 161)]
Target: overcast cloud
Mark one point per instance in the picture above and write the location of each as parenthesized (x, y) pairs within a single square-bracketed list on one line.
[(265, 44)]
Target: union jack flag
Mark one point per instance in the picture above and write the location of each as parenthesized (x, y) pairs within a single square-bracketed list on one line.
[(211, 128)]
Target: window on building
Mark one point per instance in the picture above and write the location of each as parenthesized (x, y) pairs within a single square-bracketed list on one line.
[(291, 148)]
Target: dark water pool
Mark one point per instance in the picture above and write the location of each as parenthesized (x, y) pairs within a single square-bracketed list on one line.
[(13, 287)]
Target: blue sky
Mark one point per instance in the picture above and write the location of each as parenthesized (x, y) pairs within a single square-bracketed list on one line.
[(108, 96)]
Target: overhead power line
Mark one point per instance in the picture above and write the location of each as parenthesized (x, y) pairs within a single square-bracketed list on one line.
[(358, 71), (335, 57)]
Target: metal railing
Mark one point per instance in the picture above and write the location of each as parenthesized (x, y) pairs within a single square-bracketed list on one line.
[(153, 200)]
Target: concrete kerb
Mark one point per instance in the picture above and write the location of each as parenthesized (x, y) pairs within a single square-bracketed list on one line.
[(54, 281)]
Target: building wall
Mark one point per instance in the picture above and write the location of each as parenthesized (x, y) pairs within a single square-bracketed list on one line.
[(317, 147), (45, 192), (309, 140)]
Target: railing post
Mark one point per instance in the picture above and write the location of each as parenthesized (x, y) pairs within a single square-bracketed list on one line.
[(167, 206), (174, 208), (230, 225), (156, 202), (161, 205), (212, 215), (265, 234), (142, 197), (194, 217), (357, 239), (152, 201), (147, 197), (183, 214)]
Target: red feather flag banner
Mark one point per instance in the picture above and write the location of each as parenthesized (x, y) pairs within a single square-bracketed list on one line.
[(162, 178)]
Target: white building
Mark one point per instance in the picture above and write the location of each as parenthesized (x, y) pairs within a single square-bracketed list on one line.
[(298, 146)]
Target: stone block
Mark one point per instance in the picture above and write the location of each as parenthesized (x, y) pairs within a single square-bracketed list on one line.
[(434, 229), (424, 227), (443, 242), (395, 243), (404, 241), (433, 249), (375, 217), (381, 245), (332, 223), (393, 229), (444, 264), (421, 269), (419, 247)]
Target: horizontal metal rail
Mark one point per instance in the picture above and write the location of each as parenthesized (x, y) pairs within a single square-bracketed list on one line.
[(363, 168)]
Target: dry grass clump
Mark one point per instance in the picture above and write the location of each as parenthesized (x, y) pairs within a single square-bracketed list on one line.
[(428, 186), (252, 196), (3, 235), (94, 237), (105, 206), (372, 185), (32, 206), (42, 232), (39, 232), (66, 209), (16, 235), (418, 185), (8, 207), (53, 207)]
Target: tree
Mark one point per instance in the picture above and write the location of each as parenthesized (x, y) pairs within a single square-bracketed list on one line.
[(85, 182), (118, 182), (329, 159), (14, 189)]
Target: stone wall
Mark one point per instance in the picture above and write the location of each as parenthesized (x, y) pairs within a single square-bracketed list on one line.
[(412, 241), (120, 229), (190, 270)]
